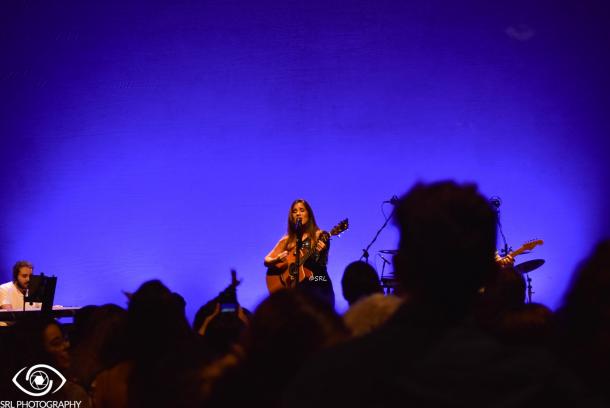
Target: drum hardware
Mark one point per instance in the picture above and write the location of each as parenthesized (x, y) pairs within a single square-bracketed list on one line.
[(525, 268)]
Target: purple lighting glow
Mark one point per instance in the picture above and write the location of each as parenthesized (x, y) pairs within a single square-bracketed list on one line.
[(167, 139)]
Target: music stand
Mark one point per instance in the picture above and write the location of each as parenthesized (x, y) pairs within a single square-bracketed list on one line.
[(42, 289)]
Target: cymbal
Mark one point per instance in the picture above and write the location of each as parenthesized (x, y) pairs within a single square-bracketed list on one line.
[(389, 251), (528, 266), (389, 282)]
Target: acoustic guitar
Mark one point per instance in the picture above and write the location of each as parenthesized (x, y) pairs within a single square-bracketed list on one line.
[(287, 273)]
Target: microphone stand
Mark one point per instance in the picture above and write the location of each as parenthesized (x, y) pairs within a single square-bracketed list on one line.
[(504, 251), (365, 251), (299, 233)]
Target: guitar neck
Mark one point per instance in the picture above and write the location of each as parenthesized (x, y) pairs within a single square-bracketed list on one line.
[(305, 257), (519, 251), (325, 237), (527, 246)]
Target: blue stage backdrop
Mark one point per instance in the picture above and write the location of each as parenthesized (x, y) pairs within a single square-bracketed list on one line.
[(166, 139)]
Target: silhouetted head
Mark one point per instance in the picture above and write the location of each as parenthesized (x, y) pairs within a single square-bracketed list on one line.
[(588, 292), (584, 318), (447, 243), (359, 280), (155, 318), (290, 325)]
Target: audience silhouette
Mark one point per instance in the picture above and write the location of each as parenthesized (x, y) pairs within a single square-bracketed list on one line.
[(459, 334)]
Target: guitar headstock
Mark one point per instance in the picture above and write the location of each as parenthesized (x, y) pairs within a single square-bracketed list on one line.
[(529, 245), (340, 227)]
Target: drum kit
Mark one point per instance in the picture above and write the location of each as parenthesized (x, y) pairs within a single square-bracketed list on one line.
[(389, 283)]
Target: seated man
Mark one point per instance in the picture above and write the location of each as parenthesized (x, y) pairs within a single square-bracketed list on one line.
[(12, 293)]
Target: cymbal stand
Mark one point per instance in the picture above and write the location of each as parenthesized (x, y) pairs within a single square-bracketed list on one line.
[(529, 288), (385, 261)]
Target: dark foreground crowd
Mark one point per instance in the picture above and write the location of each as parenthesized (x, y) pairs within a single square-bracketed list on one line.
[(457, 333)]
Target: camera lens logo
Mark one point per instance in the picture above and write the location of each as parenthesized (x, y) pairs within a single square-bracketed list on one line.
[(38, 380)]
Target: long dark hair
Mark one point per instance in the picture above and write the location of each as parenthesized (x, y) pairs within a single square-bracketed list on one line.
[(310, 228)]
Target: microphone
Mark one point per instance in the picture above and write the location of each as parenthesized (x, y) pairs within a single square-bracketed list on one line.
[(495, 202), (26, 296), (299, 227), (393, 200)]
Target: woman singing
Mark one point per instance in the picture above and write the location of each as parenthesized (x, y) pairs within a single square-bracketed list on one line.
[(314, 251)]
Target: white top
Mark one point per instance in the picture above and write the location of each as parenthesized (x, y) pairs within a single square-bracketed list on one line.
[(10, 295)]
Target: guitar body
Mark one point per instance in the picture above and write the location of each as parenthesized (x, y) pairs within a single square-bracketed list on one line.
[(274, 283), (285, 274)]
